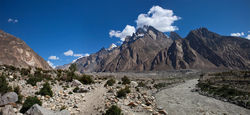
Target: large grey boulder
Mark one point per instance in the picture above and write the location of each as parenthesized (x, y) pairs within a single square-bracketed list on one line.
[(7, 110), (76, 83), (10, 97), (38, 110)]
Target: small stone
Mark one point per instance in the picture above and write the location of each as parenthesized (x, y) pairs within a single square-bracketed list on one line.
[(132, 104)]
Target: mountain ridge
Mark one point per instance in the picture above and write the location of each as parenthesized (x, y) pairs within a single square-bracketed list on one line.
[(151, 50)]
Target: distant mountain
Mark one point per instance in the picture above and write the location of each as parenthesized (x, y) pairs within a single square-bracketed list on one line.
[(151, 50), (16, 52)]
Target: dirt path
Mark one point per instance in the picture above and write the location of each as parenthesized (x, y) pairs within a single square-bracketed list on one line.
[(94, 99), (179, 100)]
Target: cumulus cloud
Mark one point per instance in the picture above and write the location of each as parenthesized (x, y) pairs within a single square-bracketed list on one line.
[(10, 20), (239, 34), (68, 53), (158, 17), (161, 19), (53, 58), (127, 31), (51, 64)]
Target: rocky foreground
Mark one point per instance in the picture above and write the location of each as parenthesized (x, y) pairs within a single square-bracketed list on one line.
[(58, 93)]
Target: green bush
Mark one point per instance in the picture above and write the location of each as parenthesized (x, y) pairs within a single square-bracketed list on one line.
[(25, 71), (46, 90), (18, 92), (73, 67), (86, 79), (33, 80), (70, 76), (125, 80), (141, 84), (75, 89), (123, 92), (110, 82), (4, 88), (29, 102), (114, 110)]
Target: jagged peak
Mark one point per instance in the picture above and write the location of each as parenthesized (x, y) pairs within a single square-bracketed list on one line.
[(174, 36), (203, 33), (112, 46)]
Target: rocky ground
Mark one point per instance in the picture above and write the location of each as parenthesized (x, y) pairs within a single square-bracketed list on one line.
[(180, 100), (171, 94), (94, 98)]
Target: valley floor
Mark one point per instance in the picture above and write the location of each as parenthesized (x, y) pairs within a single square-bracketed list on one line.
[(179, 100)]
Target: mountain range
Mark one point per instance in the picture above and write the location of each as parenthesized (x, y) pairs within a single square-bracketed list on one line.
[(151, 50), (146, 50)]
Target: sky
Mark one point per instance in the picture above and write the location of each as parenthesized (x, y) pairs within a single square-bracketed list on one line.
[(63, 30)]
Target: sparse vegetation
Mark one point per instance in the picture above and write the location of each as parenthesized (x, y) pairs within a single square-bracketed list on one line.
[(33, 80), (232, 86), (75, 90), (114, 110), (86, 79), (29, 102), (141, 84), (25, 72), (18, 92), (123, 92), (4, 88), (110, 82), (125, 80), (46, 90)]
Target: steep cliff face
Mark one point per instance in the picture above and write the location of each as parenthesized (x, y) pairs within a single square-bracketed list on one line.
[(16, 52), (151, 50)]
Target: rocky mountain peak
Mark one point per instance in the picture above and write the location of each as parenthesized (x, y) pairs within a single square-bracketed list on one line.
[(112, 46), (203, 33), (174, 36)]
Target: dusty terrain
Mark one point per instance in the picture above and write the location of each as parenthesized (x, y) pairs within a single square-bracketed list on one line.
[(179, 100)]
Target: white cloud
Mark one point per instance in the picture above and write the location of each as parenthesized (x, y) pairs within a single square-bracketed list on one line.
[(127, 31), (51, 64), (159, 18), (15, 21), (237, 34), (248, 37), (10, 20), (53, 58), (69, 53)]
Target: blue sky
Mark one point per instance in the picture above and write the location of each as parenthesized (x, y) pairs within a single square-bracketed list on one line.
[(53, 27)]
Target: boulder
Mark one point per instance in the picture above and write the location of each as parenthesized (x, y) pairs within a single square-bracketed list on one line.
[(38, 110), (134, 84), (83, 90), (10, 97), (76, 83), (8, 110)]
